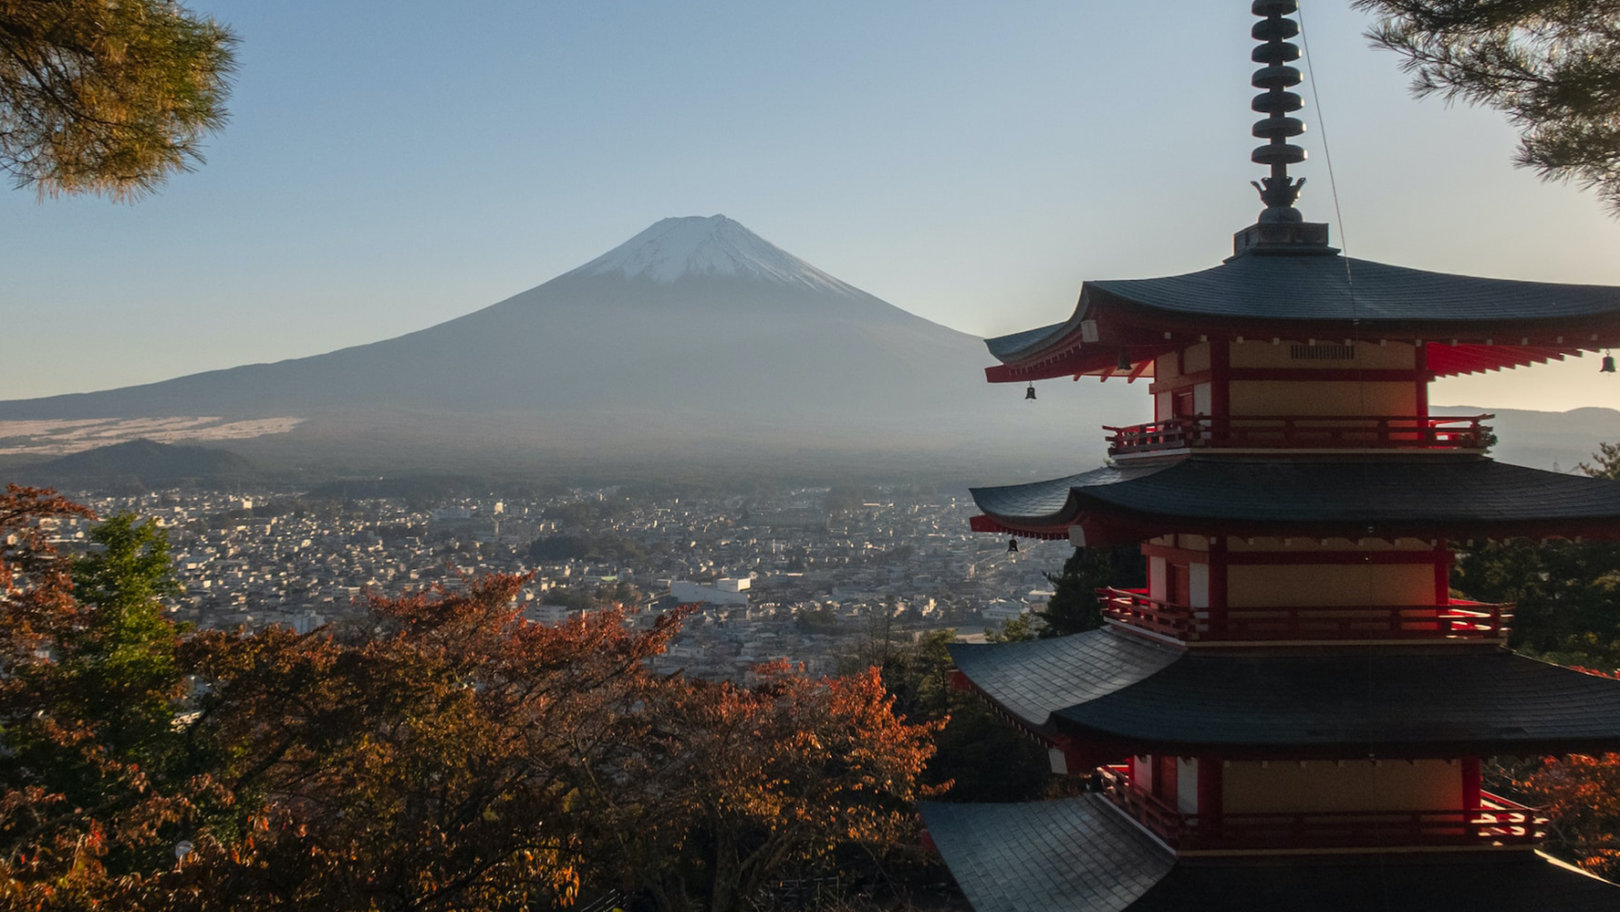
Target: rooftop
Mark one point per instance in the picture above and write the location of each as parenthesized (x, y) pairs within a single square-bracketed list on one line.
[(1080, 855), (1122, 695), (1427, 498)]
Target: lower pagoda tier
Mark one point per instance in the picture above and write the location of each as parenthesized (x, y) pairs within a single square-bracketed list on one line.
[(1463, 497), (1118, 694), (1083, 855)]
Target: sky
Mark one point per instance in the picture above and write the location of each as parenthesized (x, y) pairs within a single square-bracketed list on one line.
[(391, 164)]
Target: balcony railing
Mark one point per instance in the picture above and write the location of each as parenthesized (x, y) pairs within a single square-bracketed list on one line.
[(1304, 433), (1459, 620), (1497, 822)]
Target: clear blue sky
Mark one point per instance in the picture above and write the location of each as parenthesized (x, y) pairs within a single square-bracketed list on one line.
[(390, 165)]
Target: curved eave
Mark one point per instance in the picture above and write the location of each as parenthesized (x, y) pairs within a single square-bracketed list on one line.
[(1080, 855), (1463, 497), (1107, 692), (1030, 682), (1470, 324)]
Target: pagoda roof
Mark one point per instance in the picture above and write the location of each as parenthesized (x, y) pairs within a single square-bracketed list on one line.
[(1117, 695), (1499, 322), (1458, 497), (1080, 855)]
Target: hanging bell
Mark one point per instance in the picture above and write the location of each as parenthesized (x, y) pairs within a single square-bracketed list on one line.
[(1030, 393), (1012, 546), (1124, 363), (1608, 364)]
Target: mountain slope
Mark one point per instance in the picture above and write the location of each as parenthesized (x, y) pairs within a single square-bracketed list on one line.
[(694, 327), (141, 465), (692, 313)]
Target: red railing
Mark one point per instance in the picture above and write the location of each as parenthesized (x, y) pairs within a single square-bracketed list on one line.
[(1458, 620), (1497, 822), (1304, 433)]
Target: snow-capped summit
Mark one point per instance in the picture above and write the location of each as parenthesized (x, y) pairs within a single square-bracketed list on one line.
[(677, 248)]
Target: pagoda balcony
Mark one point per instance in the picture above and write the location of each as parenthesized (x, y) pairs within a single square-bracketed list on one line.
[(1458, 621), (1496, 823), (1357, 432)]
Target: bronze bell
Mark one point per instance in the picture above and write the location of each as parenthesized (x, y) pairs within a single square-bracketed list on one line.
[(1030, 393), (1012, 546), (1124, 363), (1608, 364)]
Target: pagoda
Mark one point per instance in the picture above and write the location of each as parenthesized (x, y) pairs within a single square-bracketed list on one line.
[(1294, 712)]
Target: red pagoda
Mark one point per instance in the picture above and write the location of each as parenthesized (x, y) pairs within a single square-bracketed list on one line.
[(1293, 713)]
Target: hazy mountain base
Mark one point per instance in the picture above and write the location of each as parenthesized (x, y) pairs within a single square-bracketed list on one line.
[(663, 446), (1025, 442), (1545, 440)]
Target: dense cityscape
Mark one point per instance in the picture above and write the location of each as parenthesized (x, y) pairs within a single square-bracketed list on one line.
[(802, 574)]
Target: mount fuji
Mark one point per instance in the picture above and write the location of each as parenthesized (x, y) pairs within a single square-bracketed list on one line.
[(696, 335)]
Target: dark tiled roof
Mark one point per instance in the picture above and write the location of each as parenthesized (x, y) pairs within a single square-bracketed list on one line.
[(1033, 680), (1041, 499), (1319, 288), (1466, 496), (1105, 687), (1048, 856), (1520, 882), (1252, 290), (1078, 855)]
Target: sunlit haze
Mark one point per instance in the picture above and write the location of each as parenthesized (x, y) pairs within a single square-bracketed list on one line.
[(391, 165)]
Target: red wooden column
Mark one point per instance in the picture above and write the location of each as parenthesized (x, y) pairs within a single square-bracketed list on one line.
[(1217, 589), (1210, 803), (1472, 791), (1220, 388), (1442, 573)]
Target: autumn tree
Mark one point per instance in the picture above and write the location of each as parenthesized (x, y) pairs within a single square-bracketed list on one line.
[(750, 784), (107, 96), (1552, 66), (439, 758), (444, 755), (91, 799), (1581, 796)]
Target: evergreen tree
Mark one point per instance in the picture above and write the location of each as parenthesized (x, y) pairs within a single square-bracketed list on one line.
[(1552, 66), (1567, 593), (1073, 607), (120, 661), (107, 96)]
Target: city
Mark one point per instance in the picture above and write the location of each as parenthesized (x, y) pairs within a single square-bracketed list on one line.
[(801, 574)]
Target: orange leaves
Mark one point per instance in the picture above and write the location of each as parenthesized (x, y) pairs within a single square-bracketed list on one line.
[(448, 755), (781, 773), (1581, 795)]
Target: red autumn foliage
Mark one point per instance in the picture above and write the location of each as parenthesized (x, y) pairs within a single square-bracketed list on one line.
[(447, 755), (1580, 794)]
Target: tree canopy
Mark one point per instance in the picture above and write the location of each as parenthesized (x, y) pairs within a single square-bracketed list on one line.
[(1552, 66), (445, 754), (107, 96)]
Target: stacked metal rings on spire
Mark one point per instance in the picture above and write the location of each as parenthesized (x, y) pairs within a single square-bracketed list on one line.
[(1276, 77)]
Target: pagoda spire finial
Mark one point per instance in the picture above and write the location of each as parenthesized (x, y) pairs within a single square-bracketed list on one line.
[(1279, 191), (1280, 228)]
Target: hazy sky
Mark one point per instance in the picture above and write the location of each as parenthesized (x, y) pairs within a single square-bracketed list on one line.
[(391, 164)]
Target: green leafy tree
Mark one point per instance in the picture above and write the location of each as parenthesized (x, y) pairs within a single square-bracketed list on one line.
[(1552, 66), (1013, 630), (107, 96), (1073, 607), (1567, 592), (92, 787), (981, 757)]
